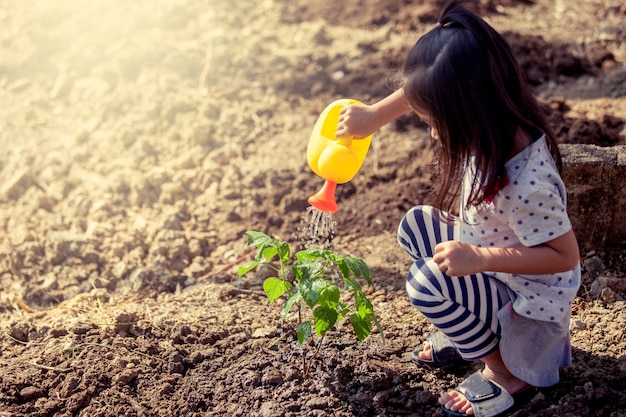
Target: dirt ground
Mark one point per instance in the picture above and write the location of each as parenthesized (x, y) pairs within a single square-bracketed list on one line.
[(141, 139)]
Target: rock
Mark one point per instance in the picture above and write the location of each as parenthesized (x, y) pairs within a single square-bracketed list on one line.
[(593, 267), (198, 267), (124, 321), (32, 393), (20, 234), (600, 283), (61, 245), (171, 192), (58, 332), (140, 278), (196, 357), (175, 363), (270, 409), (19, 331), (263, 332), (596, 193), (17, 184), (69, 386), (195, 247), (272, 377), (80, 330), (317, 403), (125, 377)]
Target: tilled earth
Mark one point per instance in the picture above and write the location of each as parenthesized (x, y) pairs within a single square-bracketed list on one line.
[(140, 140)]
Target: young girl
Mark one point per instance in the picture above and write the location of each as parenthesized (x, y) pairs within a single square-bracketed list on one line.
[(498, 278)]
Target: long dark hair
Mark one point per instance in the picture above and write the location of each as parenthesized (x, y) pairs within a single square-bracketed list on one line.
[(463, 73)]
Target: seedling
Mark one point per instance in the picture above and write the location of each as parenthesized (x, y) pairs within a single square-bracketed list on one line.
[(321, 285)]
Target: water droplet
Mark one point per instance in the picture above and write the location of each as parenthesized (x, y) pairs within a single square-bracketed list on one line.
[(317, 227)]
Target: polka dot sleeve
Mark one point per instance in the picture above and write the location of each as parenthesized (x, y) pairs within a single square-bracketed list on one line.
[(540, 217)]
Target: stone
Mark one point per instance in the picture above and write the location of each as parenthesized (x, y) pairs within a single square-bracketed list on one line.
[(596, 193)]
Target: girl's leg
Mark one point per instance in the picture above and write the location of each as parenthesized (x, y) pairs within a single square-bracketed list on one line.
[(420, 231), (463, 308)]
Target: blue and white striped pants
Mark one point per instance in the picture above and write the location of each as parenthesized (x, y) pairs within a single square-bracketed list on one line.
[(463, 308)]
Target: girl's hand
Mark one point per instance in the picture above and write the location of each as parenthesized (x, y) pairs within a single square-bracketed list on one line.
[(361, 120), (357, 121), (557, 255), (458, 259)]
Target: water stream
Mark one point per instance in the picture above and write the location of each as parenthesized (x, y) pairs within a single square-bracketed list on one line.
[(317, 228)]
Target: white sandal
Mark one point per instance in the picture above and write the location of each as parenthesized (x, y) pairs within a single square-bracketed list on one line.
[(488, 398)]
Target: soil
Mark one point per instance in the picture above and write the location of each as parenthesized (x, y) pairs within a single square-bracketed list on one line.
[(141, 139)]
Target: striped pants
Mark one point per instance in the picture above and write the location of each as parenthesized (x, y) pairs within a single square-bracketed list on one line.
[(463, 308)]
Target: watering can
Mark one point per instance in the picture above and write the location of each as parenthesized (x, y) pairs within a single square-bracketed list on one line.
[(336, 160)]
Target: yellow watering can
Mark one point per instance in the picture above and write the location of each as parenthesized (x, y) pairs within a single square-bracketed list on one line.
[(335, 160)]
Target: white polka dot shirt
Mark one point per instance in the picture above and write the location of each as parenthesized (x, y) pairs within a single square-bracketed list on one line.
[(529, 210)]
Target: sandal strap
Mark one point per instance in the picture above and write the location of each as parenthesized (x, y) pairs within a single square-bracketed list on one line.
[(442, 348), (478, 388), (488, 398)]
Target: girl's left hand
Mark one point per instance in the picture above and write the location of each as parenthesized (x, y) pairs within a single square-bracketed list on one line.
[(458, 259)]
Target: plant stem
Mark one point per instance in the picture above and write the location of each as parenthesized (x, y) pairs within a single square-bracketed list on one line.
[(317, 349), (304, 368)]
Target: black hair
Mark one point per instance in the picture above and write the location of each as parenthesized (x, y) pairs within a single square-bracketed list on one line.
[(464, 75)]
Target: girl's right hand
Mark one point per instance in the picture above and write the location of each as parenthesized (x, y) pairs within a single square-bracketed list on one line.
[(357, 121)]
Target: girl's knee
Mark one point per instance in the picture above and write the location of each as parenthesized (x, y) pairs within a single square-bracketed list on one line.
[(417, 212), (422, 280), (409, 231)]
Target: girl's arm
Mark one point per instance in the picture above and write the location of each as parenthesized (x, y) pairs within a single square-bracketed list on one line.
[(558, 255), (360, 120)]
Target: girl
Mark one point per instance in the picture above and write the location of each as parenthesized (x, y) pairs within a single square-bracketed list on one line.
[(498, 278)]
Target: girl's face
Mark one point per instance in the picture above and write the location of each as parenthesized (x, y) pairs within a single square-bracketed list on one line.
[(425, 117)]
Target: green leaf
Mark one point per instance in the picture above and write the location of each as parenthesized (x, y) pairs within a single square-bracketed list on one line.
[(343, 267), (361, 326), (275, 287), (328, 294), (342, 311), (304, 331), (256, 238), (358, 268), (324, 318), (305, 270), (308, 268), (284, 253), (268, 247), (243, 269), (266, 252), (306, 290), (313, 254), (295, 297), (363, 306), (352, 283), (365, 310)]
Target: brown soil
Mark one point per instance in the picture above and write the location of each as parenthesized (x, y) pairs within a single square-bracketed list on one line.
[(141, 139)]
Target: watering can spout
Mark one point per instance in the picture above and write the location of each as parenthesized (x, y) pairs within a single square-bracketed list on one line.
[(335, 160), (324, 199)]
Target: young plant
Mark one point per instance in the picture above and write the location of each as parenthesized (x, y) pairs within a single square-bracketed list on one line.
[(318, 281)]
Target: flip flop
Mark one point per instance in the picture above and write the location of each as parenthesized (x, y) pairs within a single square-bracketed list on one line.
[(444, 354), (488, 398)]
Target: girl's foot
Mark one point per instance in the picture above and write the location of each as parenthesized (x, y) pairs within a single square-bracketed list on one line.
[(438, 352), (426, 353), (455, 401)]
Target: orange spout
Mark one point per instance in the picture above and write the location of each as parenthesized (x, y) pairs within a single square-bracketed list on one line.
[(324, 199)]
